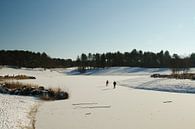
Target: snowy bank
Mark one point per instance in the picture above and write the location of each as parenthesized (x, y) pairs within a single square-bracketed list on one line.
[(162, 84), (115, 71), (15, 112)]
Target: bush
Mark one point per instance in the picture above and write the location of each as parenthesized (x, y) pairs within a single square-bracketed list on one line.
[(16, 88)]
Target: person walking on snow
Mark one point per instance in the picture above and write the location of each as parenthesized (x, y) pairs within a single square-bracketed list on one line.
[(114, 84), (107, 83)]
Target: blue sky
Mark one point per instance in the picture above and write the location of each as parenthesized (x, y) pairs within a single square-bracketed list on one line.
[(67, 28)]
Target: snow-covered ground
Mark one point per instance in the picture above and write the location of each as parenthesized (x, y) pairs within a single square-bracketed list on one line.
[(160, 84), (14, 112), (92, 105), (116, 71)]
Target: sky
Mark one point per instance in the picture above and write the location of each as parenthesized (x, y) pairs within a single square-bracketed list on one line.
[(67, 28)]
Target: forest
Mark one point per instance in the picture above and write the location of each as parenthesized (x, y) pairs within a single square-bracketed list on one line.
[(19, 58), (135, 58)]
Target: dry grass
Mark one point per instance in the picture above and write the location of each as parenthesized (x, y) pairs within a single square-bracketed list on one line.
[(19, 85), (17, 77), (41, 92), (54, 91)]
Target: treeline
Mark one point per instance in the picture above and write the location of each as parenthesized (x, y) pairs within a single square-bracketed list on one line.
[(18, 58), (135, 58)]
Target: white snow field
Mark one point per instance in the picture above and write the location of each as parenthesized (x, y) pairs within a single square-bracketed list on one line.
[(14, 112), (92, 105), (116, 71)]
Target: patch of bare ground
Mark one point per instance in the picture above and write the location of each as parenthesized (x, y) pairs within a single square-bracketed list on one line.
[(32, 117)]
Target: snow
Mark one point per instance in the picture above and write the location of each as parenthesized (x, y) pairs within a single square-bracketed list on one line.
[(140, 78), (137, 102), (92, 105), (14, 111), (117, 71), (160, 84)]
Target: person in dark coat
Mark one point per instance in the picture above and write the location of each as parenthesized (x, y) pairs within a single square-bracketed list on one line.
[(114, 84), (107, 83)]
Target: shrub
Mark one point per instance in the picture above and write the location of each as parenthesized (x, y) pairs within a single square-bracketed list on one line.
[(17, 88)]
